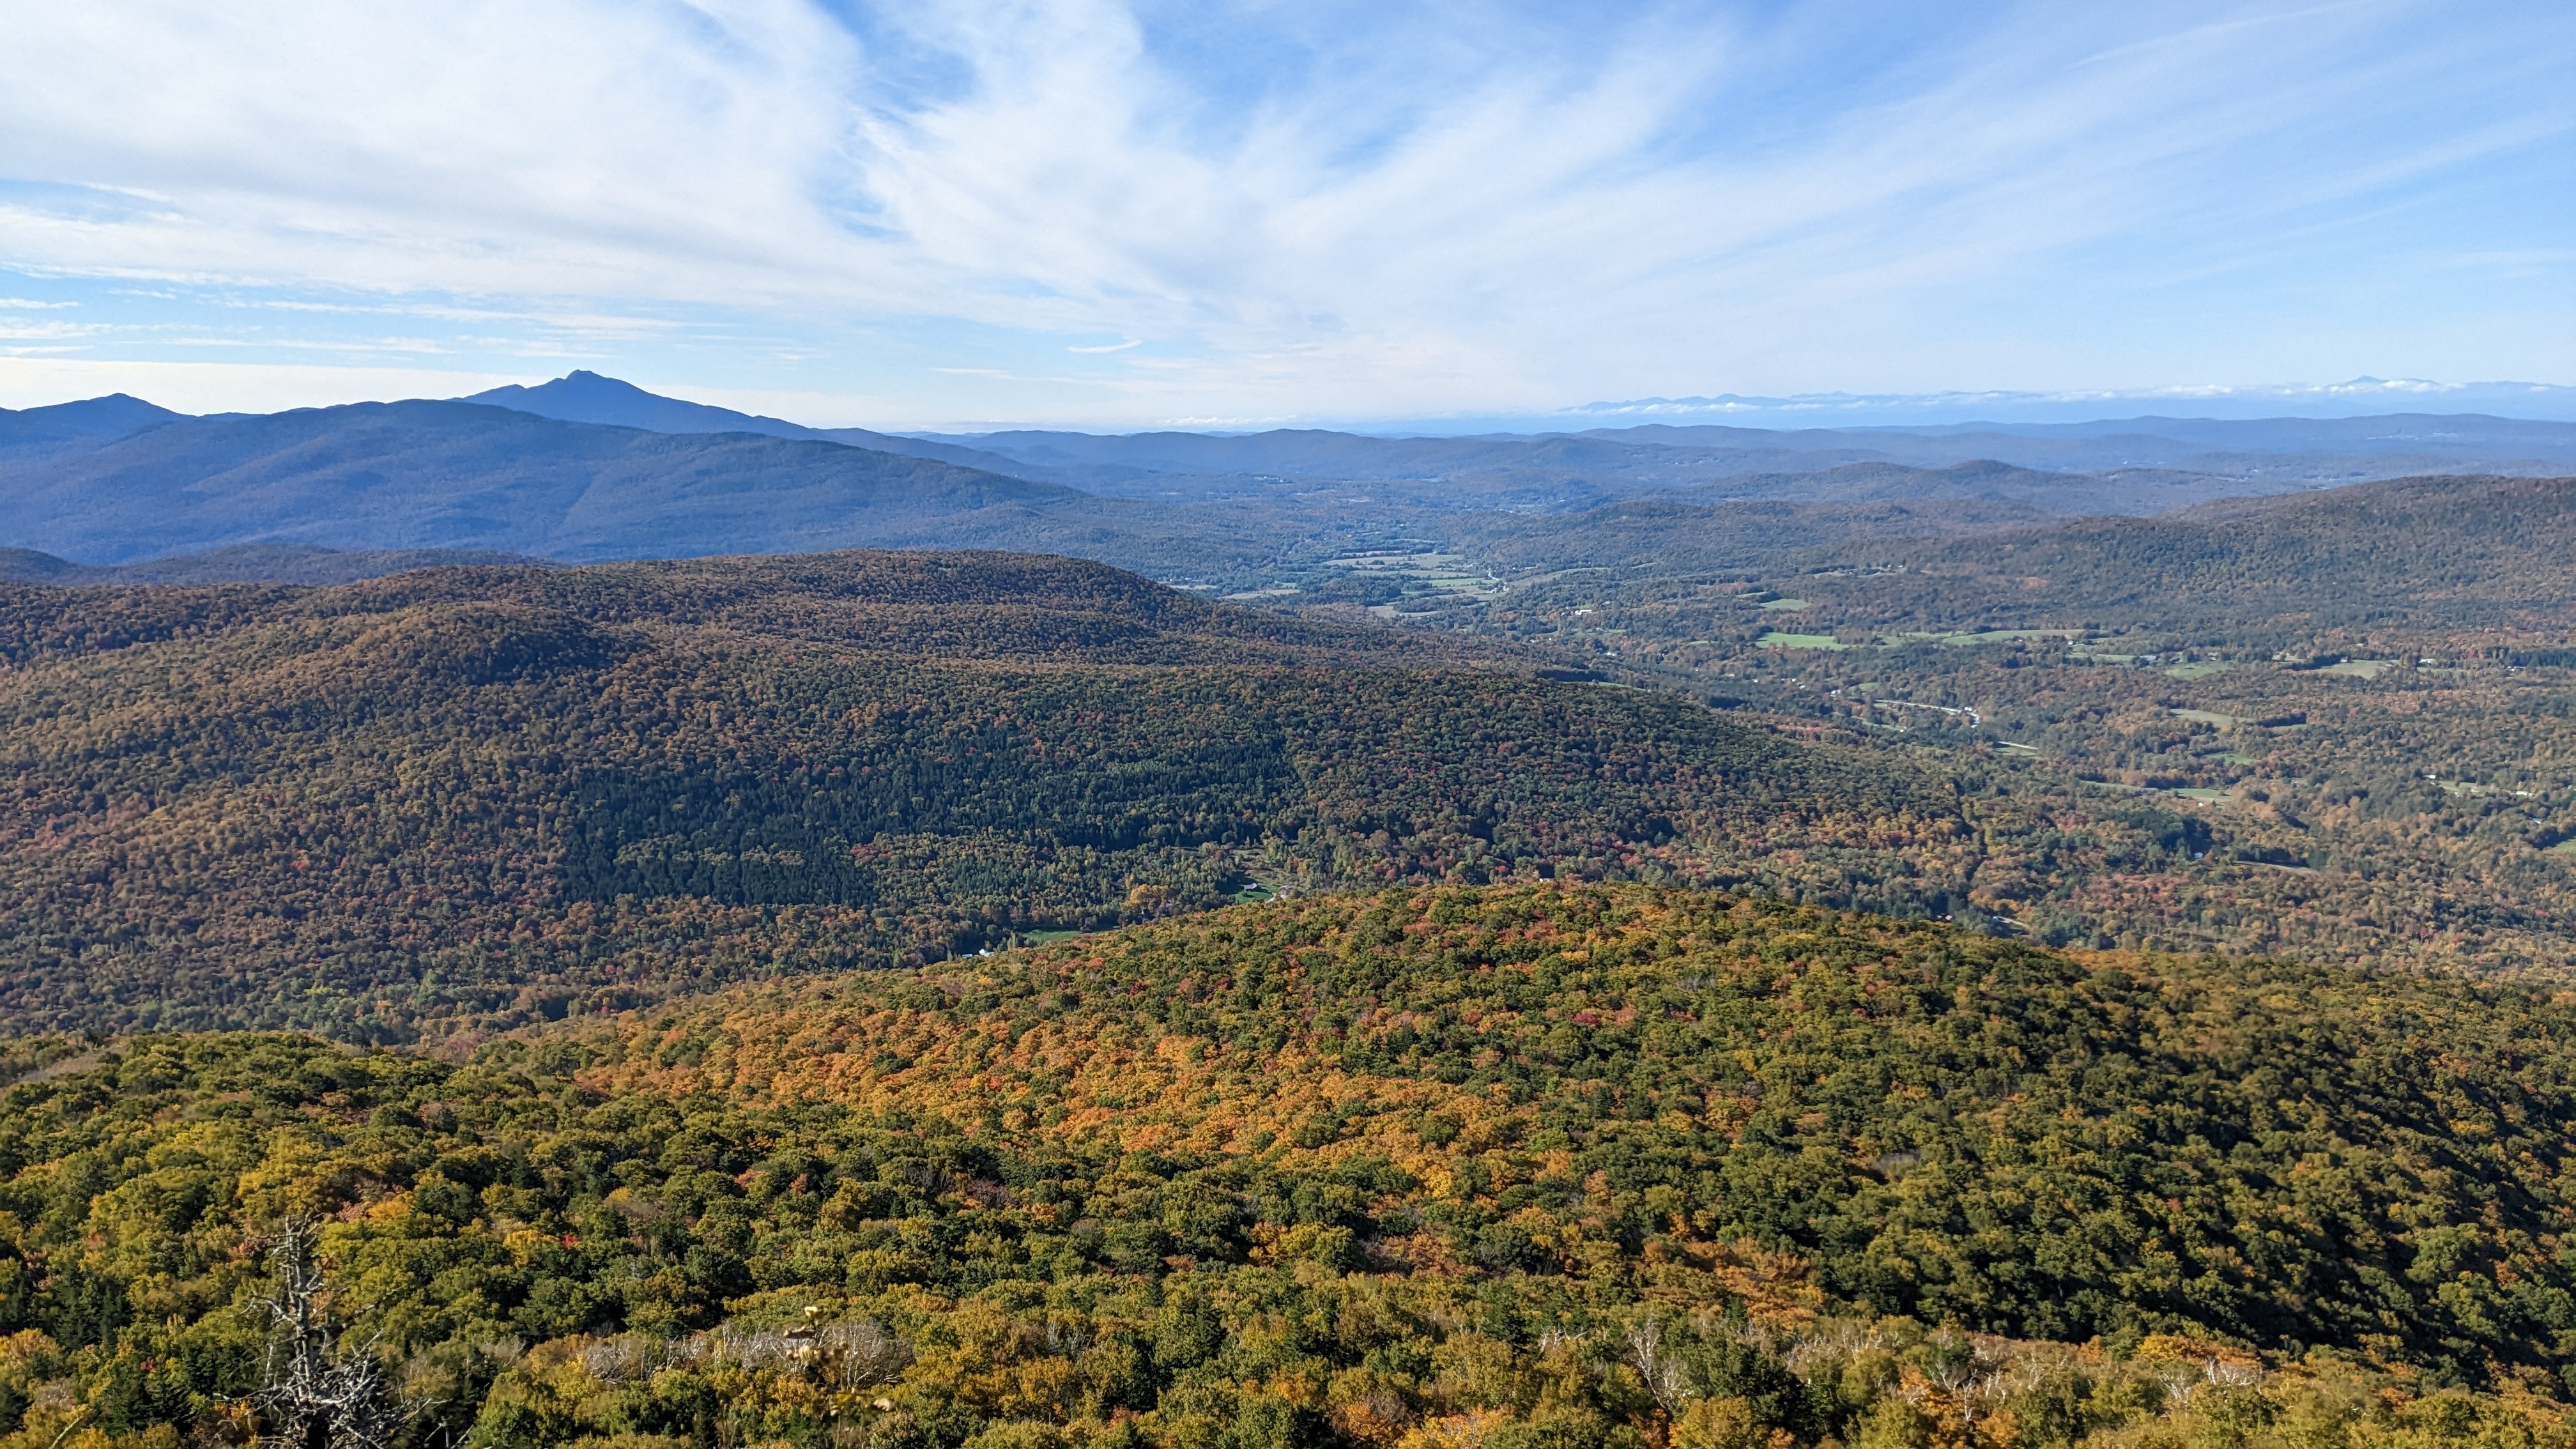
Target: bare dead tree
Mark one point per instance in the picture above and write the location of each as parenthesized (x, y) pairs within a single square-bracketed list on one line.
[(1967, 1367), (1660, 1369), (316, 1394), (863, 1354)]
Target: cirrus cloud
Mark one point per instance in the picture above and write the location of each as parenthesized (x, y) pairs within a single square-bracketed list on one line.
[(1326, 210)]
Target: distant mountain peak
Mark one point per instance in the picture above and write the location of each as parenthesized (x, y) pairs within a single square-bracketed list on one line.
[(581, 396), (583, 381), (92, 419)]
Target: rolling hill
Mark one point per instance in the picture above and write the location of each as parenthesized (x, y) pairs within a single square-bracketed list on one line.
[(465, 797), (1520, 1165), (2444, 552), (1982, 534), (956, 999)]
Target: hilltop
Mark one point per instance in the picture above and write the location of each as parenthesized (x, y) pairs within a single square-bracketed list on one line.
[(1522, 1164), (461, 798)]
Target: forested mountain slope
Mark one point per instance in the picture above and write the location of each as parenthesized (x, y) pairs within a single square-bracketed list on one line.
[(1522, 1165), (1954, 532), (457, 475), (456, 798), (2457, 550)]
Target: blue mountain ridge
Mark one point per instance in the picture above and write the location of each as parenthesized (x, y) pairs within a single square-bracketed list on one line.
[(452, 475), (590, 467), (587, 397)]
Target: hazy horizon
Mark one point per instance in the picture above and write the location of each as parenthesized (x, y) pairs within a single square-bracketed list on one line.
[(2357, 398)]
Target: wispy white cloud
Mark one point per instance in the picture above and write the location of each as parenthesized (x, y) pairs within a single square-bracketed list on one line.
[(1335, 210), (53, 331)]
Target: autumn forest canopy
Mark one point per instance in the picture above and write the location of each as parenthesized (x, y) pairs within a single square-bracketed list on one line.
[(1676, 938), (1547, 1163)]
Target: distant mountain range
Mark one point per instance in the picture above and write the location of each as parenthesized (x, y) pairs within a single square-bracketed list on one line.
[(2356, 397), (1653, 454), (447, 475), (588, 467)]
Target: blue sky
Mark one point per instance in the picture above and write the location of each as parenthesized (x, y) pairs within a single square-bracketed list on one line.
[(1094, 214)]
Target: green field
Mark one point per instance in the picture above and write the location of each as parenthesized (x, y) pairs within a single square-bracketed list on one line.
[(1790, 605), (2003, 636), (1976, 636), (1800, 641), (2360, 668)]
